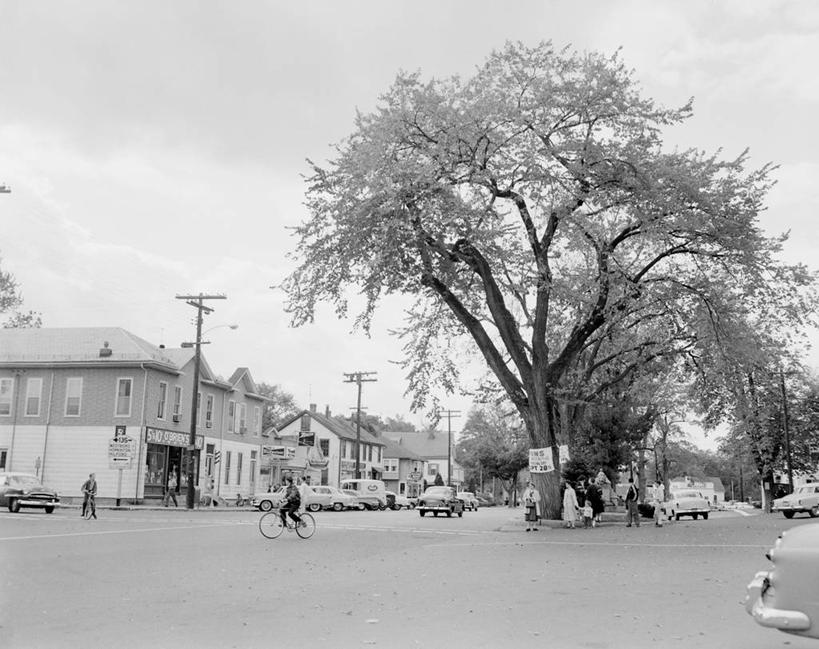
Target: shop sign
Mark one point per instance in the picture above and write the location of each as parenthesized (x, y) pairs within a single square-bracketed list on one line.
[(348, 465), (414, 476), (279, 452), (540, 460), (172, 438)]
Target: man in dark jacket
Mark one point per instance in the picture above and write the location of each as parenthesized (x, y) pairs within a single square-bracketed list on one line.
[(632, 515)]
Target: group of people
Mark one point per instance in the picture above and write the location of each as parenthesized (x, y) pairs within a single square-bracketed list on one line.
[(584, 503)]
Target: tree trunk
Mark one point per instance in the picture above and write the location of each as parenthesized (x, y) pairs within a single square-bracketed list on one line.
[(541, 425)]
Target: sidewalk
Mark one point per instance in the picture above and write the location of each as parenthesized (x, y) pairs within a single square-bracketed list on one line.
[(518, 524)]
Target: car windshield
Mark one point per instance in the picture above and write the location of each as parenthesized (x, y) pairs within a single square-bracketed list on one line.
[(687, 494), (24, 481), (807, 489), (438, 491)]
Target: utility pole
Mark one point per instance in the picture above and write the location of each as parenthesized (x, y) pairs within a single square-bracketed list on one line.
[(197, 302), (358, 378), (449, 415)]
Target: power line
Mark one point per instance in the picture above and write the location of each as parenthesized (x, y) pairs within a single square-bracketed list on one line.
[(358, 378)]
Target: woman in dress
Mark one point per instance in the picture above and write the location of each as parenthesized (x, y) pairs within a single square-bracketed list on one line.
[(531, 504), (569, 505)]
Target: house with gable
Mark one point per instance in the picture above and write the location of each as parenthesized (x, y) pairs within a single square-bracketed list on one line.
[(100, 399), (404, 469), (329, 448), (434, 447)]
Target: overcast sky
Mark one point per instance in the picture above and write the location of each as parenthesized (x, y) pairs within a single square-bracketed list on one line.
[(156, 148)]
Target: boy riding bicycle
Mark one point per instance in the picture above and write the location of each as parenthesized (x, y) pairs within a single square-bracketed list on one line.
[(291, 503)]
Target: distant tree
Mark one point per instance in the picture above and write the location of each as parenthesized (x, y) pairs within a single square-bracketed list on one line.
[(280, 405), (398, 424), (439, 481), (11, 300)]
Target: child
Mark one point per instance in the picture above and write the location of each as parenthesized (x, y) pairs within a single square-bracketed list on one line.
[(588, 519)]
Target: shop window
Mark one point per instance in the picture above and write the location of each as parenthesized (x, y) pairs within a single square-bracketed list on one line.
[(177, 401)]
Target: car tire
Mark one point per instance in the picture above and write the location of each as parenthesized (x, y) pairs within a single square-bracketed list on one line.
[(49, 509), (676, 517), (705, 516), (337, 507), (422, 512), (14, 506), (449, 514), (814, 511), (381, 507), (313, 507), (435, 514), (460, 514), (397, 507), (787, 514), (265, 506), (695, 516)]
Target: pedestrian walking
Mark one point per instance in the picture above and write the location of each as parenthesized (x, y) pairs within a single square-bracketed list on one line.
[(531, 504), (89, 495), (569, 506), (658, 497), (594, 496), (632, 514), (170, 490)]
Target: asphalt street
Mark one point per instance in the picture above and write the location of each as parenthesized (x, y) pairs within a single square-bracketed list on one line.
[(177, 578)]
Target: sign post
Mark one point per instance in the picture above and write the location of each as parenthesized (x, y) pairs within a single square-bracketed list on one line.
[(120, 456)]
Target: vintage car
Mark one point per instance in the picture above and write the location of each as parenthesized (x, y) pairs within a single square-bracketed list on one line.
[(686, 502), (784, 597), (25, 490), (364, 500), (267, 501), (440, 500), (804, 500), (470, 501), (327, 497)]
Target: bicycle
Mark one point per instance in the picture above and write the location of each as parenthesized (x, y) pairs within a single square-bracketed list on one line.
[(91, 508), (271, 526)]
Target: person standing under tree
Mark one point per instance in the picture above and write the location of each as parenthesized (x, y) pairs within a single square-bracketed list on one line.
[(632, 514), (658, 497), (89, 495), (569, 505), (531, 504)]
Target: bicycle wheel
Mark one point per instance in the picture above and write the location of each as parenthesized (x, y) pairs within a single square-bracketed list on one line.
[(89, 510), (308, 528), (270, 525)]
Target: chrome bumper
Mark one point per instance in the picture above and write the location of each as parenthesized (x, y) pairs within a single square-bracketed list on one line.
[(771, 617)]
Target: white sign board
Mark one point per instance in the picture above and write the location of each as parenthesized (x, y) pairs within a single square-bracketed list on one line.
[(563, 450), (120, 453), (540, 460)]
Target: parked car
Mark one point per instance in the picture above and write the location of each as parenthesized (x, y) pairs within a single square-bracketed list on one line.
[(804, 500), (364, 500), (440, 500), (369, 488), (686, 502), (784, 597), (25, 490), (267, 501), (470, 501), (485, 500), (399, 501), (327, 497)]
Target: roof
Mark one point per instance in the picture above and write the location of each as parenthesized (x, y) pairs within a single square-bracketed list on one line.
[(427, 444), (396, 450), (338, 428), (56, 345)]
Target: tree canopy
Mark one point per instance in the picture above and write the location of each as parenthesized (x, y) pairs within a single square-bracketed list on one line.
[(11, 301), (533, 209)]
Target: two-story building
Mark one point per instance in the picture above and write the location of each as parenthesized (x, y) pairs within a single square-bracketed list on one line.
[(404, 469), (438, 455), (99, 399), (334, 441)]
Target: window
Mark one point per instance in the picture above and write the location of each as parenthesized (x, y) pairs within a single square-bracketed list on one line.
[(305, 421), (242, 417), (391, 465), (231, 415), (123, 398), (433, 468), (369, 453), (257, 420), (343, 448), (239, 457), (227, 467), (198, 408), (163, 400), (34, 389), (252, 468), (209, 411), (73, 396), (209, 448), (324, 445), (177, 400), (4, 452), (6, 388)]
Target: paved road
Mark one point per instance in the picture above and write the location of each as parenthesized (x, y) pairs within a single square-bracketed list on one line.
[(174, 578)]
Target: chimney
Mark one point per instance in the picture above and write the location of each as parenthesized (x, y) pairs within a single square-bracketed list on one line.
[(312, 407), (105, 351), (327, 411)]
